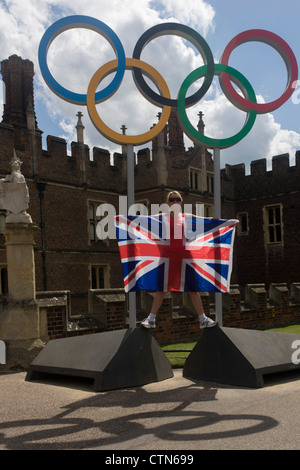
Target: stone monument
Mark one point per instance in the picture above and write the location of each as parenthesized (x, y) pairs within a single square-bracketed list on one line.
[(21, 326)]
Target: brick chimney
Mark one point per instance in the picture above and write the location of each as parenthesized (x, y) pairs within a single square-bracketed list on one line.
[(17, 75)]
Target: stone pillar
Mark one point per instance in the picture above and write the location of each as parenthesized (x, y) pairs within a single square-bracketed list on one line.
[(80, 140), (23, 327), (20, 261)]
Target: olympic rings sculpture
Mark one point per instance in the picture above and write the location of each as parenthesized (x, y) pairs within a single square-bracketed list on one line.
[(225, 73)]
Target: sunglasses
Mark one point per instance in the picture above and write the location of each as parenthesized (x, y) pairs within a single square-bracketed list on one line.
[(173, 199)]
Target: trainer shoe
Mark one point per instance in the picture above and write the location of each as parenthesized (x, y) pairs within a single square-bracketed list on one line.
[(148, 323), (207, 323)]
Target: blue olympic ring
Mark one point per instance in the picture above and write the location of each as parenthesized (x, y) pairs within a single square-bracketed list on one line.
[(79, 21)]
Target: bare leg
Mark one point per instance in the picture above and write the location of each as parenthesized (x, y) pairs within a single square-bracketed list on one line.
[(197, 302), (205, 322), (149, 322), (157, 301)]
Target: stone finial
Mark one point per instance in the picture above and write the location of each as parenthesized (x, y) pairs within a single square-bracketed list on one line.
[(201, 124), (80, 128), (124, 146), (123, 129)]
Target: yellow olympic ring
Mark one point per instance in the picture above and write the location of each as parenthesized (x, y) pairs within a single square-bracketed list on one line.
[(106, 131)]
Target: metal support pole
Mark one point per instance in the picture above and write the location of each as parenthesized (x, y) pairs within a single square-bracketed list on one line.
[(130, 200), (217, 204)]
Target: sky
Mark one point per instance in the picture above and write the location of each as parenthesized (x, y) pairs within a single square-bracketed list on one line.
[(75, 55)]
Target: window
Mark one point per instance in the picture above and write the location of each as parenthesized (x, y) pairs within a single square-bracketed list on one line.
[(208, 210), (93, 221), (195, 179), (2, 214), (99, 277), (140, 207), (210, 182), (243, 226), (273, 224), (198, 183), (4, 280), (2, 221), (204, 210)]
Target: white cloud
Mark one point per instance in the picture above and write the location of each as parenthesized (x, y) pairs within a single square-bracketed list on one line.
[(21, 27), (284, 141), (199, 15), (69, 130), (267, 139)]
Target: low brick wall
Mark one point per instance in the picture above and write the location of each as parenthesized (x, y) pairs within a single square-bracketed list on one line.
[(256, 309), (262, 309), (56, 322)]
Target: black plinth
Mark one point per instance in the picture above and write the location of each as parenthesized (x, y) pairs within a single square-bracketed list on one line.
[(239, 357), (115, 359)]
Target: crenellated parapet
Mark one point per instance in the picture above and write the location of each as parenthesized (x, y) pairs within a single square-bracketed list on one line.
[(257, 296), (261, 180), (96, 168), (256, 306)]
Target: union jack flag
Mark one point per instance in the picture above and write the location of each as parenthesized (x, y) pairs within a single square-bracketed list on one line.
[(183, 253)]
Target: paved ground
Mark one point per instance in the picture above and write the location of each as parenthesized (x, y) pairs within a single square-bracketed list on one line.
[(175, 414)]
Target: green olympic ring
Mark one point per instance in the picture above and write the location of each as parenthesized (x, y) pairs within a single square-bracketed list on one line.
[(190, 130)]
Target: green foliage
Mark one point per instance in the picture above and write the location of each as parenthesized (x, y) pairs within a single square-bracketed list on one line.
[(178, 352), (293, 329)]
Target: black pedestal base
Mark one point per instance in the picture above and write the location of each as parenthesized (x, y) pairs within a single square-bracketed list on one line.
[(114, 359)]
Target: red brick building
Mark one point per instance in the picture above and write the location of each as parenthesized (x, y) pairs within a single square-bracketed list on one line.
[(267, 203), (65, 191)]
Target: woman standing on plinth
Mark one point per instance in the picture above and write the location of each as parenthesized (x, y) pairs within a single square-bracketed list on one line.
[(174, 197)]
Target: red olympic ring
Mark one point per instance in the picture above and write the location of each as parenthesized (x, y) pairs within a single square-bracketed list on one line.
[(287, 55)]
